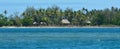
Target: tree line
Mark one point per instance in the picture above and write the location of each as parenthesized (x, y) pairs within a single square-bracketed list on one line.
[(52, 16)]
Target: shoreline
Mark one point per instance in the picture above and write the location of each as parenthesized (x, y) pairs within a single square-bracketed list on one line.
[(61, 27)]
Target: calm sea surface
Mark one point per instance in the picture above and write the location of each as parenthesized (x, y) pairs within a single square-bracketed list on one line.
[(59, 38)]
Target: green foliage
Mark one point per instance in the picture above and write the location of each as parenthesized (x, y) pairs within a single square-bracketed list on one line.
[(3, 20), (9, 23), (53, 16), (27, 21)]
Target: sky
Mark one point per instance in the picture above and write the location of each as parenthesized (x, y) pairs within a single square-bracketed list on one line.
[(13, 6)]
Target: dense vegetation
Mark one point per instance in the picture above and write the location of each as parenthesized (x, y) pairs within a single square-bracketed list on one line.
[(52, 16)]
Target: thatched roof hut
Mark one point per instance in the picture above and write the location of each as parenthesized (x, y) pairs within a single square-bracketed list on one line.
[(34, 23), (65, 21), (88, 22)]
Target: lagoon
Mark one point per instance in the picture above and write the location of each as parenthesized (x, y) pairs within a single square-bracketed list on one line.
[(59, 38)]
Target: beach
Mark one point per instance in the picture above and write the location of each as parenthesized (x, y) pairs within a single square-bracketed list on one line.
[(60, 26)]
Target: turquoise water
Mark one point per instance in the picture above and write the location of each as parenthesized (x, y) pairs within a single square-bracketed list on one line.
[(59, 38)]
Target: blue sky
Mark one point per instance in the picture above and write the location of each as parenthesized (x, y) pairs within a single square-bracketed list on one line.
[(20, 5)]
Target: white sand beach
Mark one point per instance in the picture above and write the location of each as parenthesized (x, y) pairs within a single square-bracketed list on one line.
[(61, 27)]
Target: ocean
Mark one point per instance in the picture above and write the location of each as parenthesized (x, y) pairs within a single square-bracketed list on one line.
[(59, 38)]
